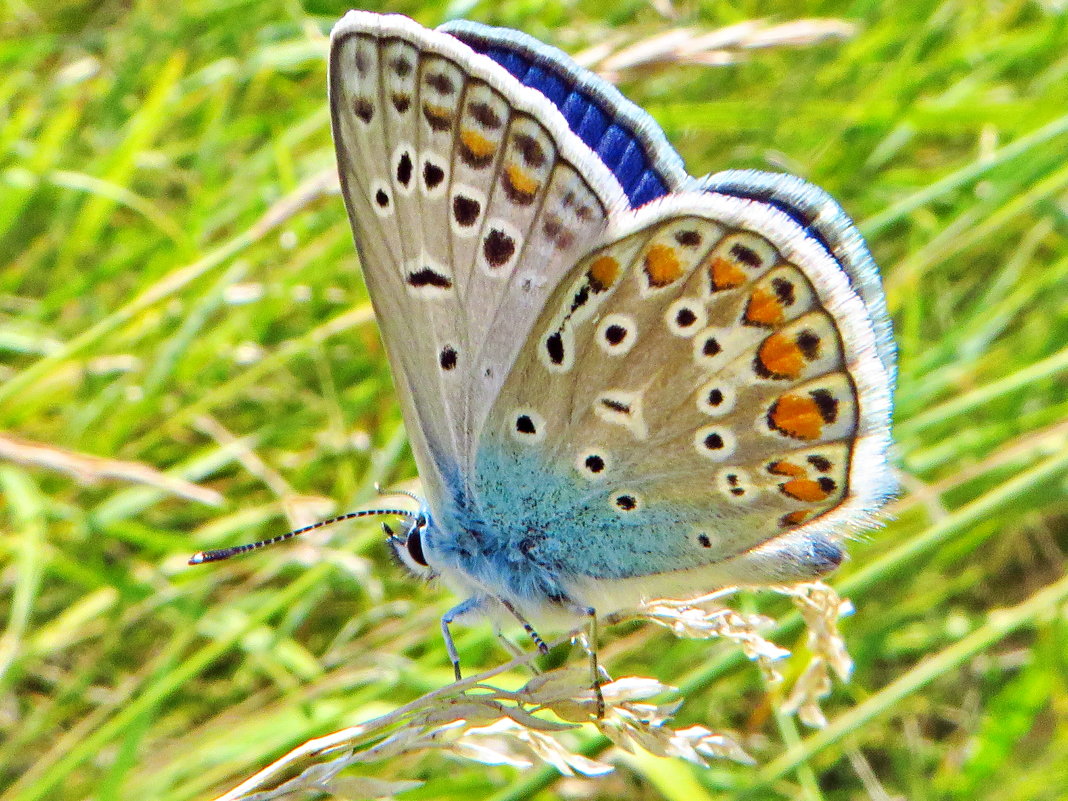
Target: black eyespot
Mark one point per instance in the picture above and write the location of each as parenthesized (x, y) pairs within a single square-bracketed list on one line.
[(404, 168), (616, 406), (498, 247), (465, 210), (414, 544), (627, 503), (441, 82), (432, 175), (809, 342), (484, 115), (363, 108), (448, 357), (715, 397), (713, 442), (827, 405), (532, 152), (704, 540), (524, 425), (594, 463), (711, 347), (821, 463), (615, 334), (745, 255), (554, 345), (784, 291), (381, 198), (689, 239), (428, 277), (685, 317)]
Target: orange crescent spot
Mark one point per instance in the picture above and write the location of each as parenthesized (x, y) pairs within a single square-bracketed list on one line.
[(725, 274), (780, 356), (764, 308), (794, 518), (662, 265), (796, 416), (437, 116), (806, 490), (521, 181), (478, 145), (782, 468), (603, 273)]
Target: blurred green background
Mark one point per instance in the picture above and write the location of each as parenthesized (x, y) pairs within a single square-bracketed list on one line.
[(188, 360)]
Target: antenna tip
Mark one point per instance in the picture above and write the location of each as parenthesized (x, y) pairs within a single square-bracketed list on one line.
[(200, 557)]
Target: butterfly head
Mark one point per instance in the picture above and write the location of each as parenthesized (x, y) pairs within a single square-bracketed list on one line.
[(407, 543)]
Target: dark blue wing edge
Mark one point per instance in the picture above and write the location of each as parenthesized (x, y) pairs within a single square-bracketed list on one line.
[(629, 142)]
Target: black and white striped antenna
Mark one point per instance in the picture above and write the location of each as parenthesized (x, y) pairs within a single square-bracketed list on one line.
[(219, 554)]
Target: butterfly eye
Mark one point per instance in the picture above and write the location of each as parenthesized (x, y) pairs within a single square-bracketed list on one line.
[(414, 544)]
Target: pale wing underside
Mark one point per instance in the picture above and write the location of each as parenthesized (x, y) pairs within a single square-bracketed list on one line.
[(703, 385), (469, 198)]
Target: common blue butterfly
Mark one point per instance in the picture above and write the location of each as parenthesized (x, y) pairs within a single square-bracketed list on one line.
[(619, 382)]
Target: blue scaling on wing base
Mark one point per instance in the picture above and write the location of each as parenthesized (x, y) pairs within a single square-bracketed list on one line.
[(538, 528), (820, 216), (624, 136)]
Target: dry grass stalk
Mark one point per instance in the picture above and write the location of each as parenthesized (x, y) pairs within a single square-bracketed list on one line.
[(87, 469), (479, 721), (711, 48)]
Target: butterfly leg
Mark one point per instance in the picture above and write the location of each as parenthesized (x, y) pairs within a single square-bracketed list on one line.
[(468, 606), (595, 667), (529, 629), (597, 673), (514, 650)]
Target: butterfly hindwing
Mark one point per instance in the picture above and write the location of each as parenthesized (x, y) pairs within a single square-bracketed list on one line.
[(469, 197), (704, 384)]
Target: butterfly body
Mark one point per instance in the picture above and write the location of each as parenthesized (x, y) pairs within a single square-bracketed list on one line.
[(619, 381)]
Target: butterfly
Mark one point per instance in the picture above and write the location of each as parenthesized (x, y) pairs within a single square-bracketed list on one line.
[(619, 382)]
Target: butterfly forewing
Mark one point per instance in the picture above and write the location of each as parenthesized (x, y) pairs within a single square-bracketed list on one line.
[(699, 386), (468, 202)]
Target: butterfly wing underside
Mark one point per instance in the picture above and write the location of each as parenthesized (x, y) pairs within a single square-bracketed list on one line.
[(468, 203), (701, 399)]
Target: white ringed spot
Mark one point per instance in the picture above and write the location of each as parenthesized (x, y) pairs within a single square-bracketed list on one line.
[(622, 408), (433, 174), (736, 485), (427, 278), (465, 210), (382, 198), (402, 166), (686, 316), (499, 249), (716, 398), (527, 426), (617, 334), (708, 347), (625, 502), (556, 350), (714, 442), (593, 464)]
